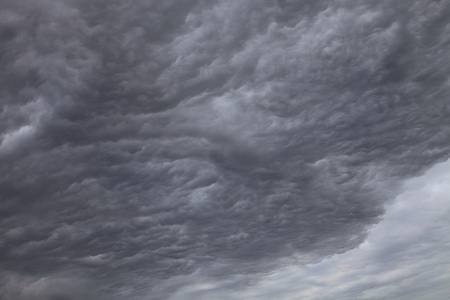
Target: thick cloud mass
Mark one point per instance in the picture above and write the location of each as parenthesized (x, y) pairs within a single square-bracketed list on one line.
[(406, 256), (145, 140)]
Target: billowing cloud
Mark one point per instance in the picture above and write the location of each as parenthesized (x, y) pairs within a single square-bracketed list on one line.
[(142, 142), (405, 256)]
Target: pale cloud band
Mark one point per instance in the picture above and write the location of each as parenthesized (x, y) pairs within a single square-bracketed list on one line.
[(405, 256)]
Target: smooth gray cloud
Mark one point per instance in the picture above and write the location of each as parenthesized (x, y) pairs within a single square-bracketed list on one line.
[(146, 141)]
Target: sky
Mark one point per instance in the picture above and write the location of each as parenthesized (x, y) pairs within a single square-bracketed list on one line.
[(229, 150)]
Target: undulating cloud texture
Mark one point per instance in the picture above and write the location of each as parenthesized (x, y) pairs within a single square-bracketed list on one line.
[(157, 149), (406, 256)]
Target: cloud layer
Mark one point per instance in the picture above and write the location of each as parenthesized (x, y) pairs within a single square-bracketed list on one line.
[(405, 256), (150, 140)]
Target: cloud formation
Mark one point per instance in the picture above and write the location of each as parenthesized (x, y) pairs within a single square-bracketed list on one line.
[(149, 140), (406, 256)]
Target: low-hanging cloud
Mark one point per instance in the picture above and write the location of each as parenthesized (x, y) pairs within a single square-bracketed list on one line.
[(148, 140), (405, 256)]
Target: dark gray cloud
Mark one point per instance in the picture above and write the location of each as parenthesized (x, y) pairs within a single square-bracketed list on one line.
[(405, 256), (149, 140)]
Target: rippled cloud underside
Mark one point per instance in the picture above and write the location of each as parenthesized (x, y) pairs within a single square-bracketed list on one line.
[(148, 145)]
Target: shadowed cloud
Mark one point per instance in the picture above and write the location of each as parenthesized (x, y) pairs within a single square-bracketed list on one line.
[(150, 140)]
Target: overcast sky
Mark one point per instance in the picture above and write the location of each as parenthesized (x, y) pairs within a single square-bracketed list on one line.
[(232, 149)]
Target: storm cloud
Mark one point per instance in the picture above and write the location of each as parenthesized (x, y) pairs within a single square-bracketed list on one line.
[(405, 256), (143, 142)]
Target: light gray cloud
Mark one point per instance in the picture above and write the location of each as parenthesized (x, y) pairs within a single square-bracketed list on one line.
[(149, 140), (406, 256)]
